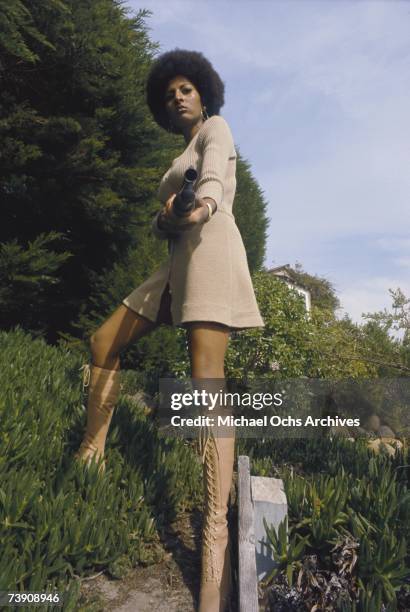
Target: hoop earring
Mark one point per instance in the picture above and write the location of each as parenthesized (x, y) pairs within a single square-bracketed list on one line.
[(204, 114)]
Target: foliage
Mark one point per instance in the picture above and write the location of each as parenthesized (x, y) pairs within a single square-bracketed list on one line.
[(252, 352), (77, 145), (343, 500), (25, 276), (250, 214), (397, 320), (57, 519), (287, 549), (16, 26), (388, 335), (293, 344), (322, 291)]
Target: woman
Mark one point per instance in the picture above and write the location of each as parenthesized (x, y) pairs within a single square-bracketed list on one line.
[(204, 286)]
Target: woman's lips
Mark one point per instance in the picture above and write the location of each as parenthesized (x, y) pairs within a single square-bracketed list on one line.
[(181, 110)]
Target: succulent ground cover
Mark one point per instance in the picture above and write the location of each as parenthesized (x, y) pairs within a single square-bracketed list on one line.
[(346, 544), (349, 509), (58, 521)]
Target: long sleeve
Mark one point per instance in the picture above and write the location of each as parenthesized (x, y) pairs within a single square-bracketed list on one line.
[(217, 148), (161, 234)]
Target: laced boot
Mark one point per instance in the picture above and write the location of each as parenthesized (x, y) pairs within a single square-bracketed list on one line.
[(103, 390), (217, 458)]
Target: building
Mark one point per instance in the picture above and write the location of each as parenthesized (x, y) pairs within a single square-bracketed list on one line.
[(285, 273)]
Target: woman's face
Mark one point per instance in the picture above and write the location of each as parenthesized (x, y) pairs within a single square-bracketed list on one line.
[(183, 102)]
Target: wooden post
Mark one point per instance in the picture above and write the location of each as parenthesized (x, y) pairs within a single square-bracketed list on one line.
[(248, 582)]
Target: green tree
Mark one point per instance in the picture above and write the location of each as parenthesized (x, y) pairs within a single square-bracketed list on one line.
[(322, 291), (78, 147), (387, 336), (26, 276), (250, 214), (17, 30)]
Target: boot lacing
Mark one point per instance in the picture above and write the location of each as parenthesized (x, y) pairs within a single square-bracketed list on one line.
[(86, 375), (213, 569), (86, 443)]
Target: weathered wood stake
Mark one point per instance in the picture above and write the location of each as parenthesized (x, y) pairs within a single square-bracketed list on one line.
[(248, 582)]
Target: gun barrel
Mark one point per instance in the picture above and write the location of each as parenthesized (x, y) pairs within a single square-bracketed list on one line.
[(190, 175), (184, 202)]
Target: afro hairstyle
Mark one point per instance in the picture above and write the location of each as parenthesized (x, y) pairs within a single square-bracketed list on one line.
[(193, 66)]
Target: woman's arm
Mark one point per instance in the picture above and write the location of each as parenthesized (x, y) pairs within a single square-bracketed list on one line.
[(212, 203), (156, 229), (166, 222), (217, 146)]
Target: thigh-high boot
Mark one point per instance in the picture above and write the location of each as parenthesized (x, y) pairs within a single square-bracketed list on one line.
[(217, 455)]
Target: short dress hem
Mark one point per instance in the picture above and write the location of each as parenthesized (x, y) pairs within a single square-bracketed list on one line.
[(220, 316)]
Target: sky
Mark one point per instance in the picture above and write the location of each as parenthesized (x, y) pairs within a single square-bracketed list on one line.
[(317, 96)]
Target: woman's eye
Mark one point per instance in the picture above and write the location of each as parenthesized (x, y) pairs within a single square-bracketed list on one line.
[(170, 96)]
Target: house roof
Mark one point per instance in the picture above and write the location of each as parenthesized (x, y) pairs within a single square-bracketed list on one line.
[(285, 271)]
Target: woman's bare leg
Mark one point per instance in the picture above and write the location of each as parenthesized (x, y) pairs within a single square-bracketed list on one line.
[(121, 329), (103, 377), (207, 344), (124, 327)]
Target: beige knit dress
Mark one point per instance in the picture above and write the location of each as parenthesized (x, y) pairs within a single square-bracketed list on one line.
[(207, 269)]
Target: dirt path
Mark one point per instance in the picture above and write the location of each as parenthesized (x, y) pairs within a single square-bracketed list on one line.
[(157, 588), (169, 586)]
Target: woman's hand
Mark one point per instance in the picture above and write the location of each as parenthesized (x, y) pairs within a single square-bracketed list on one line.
[(170, 222)]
